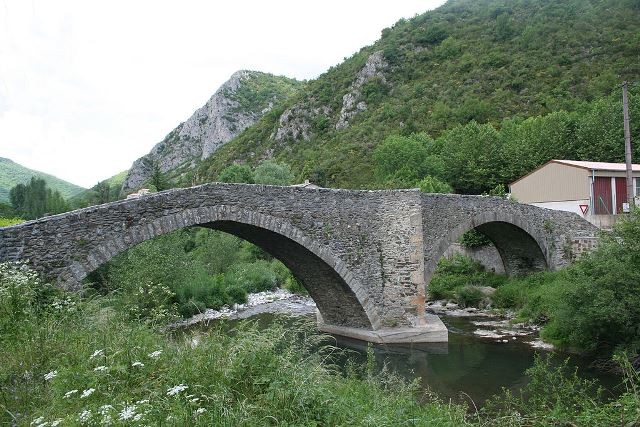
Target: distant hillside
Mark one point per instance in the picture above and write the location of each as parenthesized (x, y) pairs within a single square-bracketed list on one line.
[(12, 174), (236, 105), (469, 60)]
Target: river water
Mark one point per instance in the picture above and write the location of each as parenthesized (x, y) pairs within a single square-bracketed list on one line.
[(472, 366)]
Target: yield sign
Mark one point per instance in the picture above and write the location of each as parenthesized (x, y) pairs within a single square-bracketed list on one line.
[(584, 209)]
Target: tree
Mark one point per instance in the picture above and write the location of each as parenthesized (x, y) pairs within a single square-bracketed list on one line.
[(35, 199), (472, 157), (158, 179), (429, 184), (102, 192), (273, 173), (236, 173), (402, 160)]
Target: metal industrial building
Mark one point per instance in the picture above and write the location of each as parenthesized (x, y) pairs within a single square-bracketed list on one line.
[(599, 189)]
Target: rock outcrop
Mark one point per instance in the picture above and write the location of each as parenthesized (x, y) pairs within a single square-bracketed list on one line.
[(235, 106)]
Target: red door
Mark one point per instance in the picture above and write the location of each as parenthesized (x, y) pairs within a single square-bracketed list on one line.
[(602, 196), (621, 193)]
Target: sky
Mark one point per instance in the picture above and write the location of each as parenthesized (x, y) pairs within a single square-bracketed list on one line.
[(87, 87)]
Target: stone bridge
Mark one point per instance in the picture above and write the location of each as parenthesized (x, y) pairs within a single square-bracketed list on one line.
[(366, 257)]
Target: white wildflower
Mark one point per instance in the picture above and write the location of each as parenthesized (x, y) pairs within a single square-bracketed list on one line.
[(104, 409), (200, 411), (142, 402), (86, 393), (137, 364), (84, 416), (44, 424), (194, 399), (100, 368), (127, 412), (56, 422), (96, 354), (51, 375), (176, 389), (155, 354), (37, 421), (70, 392)]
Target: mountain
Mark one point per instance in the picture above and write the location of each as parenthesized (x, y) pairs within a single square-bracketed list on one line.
[(236, 105), (12, 174), (469, 61)]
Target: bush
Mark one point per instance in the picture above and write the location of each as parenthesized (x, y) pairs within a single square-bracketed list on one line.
[(255, 277), (474, 239), (469, 296), (459, 272)]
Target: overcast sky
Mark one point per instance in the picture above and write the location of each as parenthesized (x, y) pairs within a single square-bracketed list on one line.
[(87, 87)]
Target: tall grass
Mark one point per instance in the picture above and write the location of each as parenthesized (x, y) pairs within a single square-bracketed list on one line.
[(87, 363)]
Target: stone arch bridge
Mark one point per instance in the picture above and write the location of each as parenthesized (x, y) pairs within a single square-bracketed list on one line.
[(366, 257)]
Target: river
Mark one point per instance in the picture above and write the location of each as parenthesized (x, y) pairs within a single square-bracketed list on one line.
[(482, 357)]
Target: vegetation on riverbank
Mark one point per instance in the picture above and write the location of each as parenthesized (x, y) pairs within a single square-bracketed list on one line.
[(69, 360), (592, 306), (199, 268)]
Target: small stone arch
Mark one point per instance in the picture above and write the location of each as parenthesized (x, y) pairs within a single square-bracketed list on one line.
[(522, 246), (339, 296)]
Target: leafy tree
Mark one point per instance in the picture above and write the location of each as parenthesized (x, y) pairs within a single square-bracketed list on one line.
[(472, 157), (236, 173), (401, 161), (429, 184), (273, 173)]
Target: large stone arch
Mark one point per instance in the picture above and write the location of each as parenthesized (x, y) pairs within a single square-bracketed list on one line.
[(340, 297), (522, 246)]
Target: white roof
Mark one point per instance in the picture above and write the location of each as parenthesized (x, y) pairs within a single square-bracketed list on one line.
[(603, 166)]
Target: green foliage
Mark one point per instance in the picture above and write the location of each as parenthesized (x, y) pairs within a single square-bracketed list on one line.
[(254, 277), (601, 311), (273, 173), (5, 222), (189, 271), (469, 296), (429, 184), (236, 173), (12, 174), (458, 277), (403, 161), (519, 72), (474, 239), (94, 365), (259, 91), (35, 200)]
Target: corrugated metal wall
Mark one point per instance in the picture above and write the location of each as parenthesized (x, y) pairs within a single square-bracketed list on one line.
[(621, 193), (602, 196), (553, 182)]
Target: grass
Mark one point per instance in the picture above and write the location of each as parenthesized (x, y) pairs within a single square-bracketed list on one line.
[(73, 361)]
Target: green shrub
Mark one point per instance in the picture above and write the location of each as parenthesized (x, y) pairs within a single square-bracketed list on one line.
[(5, 222), (469, 296), (254, 277), (474, 239)]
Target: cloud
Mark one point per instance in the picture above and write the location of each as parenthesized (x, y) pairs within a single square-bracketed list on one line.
[(88, 87)]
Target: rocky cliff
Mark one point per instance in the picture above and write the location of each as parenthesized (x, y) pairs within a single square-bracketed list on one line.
[(236, 105)]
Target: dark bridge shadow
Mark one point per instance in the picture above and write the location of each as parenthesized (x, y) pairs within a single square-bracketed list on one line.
[(335, 300)]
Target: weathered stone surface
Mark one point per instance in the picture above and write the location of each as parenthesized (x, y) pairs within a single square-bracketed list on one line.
[(364, 256), (220, 120), (352, 103)]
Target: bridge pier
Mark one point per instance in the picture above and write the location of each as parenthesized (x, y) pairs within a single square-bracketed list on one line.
[(431, 329)]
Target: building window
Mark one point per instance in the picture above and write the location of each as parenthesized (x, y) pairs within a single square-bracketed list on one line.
[(637, 180)]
